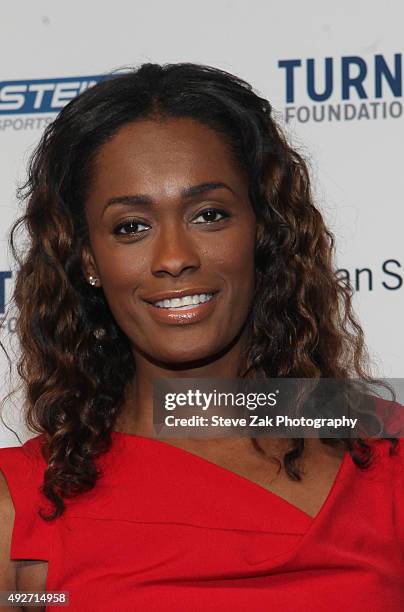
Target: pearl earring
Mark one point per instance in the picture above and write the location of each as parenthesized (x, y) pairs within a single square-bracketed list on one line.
[(92, 280)]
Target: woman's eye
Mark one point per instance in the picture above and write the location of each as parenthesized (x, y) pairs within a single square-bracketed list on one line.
[(132, 224), (210, 215)]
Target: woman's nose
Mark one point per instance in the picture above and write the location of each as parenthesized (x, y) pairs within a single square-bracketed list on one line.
[(174, 251)]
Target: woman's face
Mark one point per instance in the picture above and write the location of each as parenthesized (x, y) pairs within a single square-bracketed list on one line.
[(159, 226)]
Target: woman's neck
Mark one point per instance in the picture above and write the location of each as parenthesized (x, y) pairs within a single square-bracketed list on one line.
[(136, 415)]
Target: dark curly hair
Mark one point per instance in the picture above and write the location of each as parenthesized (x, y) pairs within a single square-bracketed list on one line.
[(74, 381)]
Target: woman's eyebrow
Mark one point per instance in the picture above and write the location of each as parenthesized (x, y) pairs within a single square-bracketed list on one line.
[(187, 192)]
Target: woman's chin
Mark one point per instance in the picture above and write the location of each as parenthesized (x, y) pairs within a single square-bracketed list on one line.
[(184, 358)]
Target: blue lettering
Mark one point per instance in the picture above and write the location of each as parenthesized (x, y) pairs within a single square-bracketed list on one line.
[(354, 73), (3, 277), (349, 81), (42, 96), (289, 66), (311, 90), (382, 70)]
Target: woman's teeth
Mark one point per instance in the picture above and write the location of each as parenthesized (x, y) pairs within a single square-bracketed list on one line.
[(186, 302)]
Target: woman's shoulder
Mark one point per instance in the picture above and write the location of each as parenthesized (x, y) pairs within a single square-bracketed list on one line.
[(391, 415), (388, 455), (23, 465), (389, 467), (22, 468), (385, 476), (30, 449)]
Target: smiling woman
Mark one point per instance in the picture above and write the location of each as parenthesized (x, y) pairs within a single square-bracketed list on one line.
[(173, 234), (157, 239)]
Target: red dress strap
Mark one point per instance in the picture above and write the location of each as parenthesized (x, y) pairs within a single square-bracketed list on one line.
[(23, 468)]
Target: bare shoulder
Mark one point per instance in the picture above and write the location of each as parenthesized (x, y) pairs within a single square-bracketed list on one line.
[(21, 574), (31, 575), (8, 568)]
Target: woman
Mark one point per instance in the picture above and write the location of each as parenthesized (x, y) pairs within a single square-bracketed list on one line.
[(166, 182)]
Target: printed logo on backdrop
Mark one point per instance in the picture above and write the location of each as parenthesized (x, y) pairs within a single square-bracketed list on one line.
[(389, 275), (347, 88), (5, 283), (28, 105)]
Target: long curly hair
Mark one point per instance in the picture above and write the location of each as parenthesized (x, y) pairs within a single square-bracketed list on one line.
[(74, 379)]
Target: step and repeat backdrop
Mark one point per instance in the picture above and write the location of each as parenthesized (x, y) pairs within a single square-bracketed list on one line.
[(332, 71)]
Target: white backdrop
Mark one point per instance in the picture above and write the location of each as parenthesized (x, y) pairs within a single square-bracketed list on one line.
[(332, 71)]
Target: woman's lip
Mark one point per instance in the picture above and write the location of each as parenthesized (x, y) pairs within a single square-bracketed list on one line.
[(174, 316)]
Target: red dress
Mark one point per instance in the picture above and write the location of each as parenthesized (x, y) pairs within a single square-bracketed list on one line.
[(166, 530)]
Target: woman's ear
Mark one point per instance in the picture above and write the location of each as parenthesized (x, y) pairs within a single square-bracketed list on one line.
[(89, 265)]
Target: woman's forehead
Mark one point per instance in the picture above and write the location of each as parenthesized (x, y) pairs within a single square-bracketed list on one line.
[(164, 156), (171, 138)]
